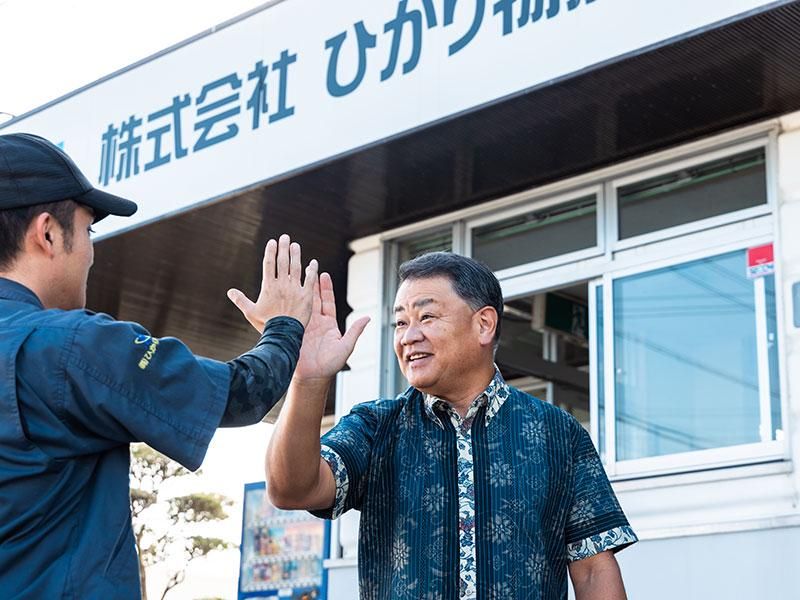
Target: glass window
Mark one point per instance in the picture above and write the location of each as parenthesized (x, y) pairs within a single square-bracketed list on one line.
[(438, 241), (686, 355), (537, 235), (691, 194)]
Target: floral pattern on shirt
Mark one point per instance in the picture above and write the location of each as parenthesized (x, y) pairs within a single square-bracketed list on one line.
[(336, 464), (493, 505), (613, 539), (493, 397)]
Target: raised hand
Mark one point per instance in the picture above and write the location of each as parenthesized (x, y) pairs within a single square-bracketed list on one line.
[(283, 293), (325, 350)]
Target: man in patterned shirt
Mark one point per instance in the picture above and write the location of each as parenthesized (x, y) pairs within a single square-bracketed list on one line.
[(467, 487)]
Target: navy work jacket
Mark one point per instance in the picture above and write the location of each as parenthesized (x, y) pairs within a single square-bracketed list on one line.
[(75, 389)]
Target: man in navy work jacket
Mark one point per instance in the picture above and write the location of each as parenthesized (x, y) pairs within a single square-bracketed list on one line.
[(467, 487), (76, 388)]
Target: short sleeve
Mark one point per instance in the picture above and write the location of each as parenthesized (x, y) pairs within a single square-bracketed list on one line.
[(595, 522), (123, 385), (347, 449)]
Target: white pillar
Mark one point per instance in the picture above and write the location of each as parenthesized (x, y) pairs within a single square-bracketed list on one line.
[(788, 224), (361, 383)]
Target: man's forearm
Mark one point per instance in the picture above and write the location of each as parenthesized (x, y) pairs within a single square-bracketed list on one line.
[(598, 578), (601, 589), (293, 456), (259, 378)]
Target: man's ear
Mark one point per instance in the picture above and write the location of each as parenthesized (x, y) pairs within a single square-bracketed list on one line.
[(487, 324), (42, 235)]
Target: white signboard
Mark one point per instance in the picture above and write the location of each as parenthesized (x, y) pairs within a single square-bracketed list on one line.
[(306, 80)]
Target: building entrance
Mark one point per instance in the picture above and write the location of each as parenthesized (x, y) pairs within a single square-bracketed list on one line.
[(544, 347)]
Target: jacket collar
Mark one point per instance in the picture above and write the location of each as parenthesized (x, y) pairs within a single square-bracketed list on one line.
[(11, 290)]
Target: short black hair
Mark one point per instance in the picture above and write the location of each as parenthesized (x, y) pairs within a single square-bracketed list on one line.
[(473, 281), (14, 223)]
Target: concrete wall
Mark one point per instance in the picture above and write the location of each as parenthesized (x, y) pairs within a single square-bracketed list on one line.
[(753, 565)]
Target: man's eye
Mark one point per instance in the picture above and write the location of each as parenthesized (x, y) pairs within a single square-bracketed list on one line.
[(425, 317), (397, 324)]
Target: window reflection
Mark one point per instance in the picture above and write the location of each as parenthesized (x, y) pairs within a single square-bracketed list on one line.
[(685, 357)]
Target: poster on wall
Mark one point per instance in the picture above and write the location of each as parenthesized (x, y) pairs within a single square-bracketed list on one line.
[(281, 550)]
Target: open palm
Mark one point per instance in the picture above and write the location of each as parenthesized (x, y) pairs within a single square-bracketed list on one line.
[(325, 350)]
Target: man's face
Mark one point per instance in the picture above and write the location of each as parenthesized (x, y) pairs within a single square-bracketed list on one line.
[(73, 265), (437, 336)]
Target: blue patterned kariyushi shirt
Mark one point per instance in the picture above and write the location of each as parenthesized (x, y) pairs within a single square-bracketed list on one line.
[(494, 505)]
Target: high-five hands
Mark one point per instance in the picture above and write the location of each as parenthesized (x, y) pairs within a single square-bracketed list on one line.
[(283, 293), (325, 350)]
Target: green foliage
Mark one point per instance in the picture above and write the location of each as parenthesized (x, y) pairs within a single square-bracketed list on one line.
[(149, 470), (141, 500), (198, 546), (197, 508)]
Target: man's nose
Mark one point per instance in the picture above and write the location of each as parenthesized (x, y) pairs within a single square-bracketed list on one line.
[(411, 335)]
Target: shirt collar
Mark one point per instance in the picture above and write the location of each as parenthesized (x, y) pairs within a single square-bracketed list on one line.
[(494, 396), (11, 290)]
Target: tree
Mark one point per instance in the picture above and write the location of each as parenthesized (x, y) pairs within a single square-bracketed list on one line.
[(154, 544)]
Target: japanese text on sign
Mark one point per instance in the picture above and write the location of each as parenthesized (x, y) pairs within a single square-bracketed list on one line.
[(195, 120)]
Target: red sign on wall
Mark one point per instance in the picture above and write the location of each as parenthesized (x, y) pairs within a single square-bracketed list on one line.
[(760, 261)]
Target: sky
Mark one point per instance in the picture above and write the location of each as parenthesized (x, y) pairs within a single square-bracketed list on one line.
[(49, 48)]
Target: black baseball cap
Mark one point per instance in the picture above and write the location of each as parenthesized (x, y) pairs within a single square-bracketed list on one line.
[(36, 171)]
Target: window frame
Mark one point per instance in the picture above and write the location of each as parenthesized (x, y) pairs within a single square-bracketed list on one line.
[(596, 190), (594, 370), (728, 456), (617, 244)]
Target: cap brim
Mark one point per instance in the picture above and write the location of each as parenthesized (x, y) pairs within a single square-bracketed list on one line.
[(104, 204)]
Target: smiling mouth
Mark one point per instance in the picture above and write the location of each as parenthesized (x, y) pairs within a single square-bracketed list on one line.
[(415, 356)]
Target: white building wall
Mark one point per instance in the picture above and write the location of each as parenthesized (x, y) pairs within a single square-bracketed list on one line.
[(361, 383), (724, 533), (789, 264), (752, 565)]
